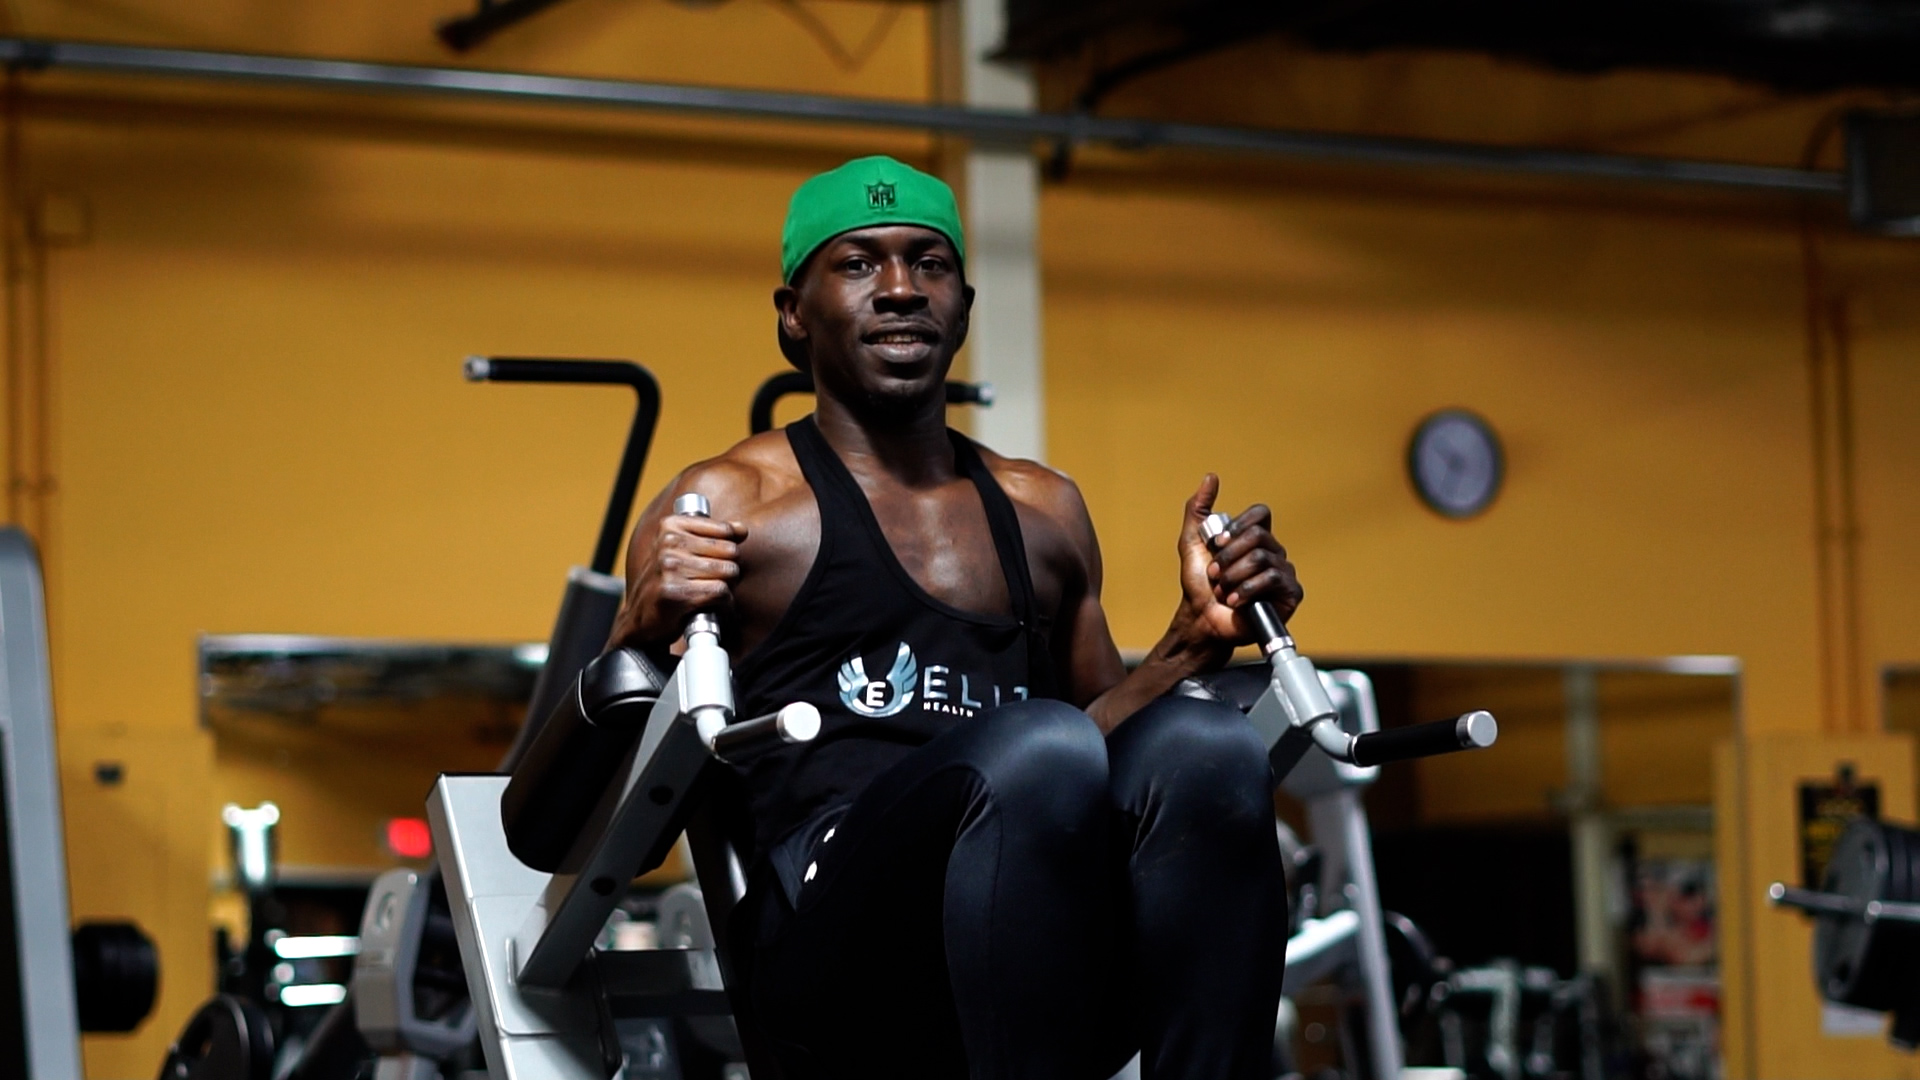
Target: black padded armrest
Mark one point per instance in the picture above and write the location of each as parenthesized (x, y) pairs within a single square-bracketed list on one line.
[(1239, 685)]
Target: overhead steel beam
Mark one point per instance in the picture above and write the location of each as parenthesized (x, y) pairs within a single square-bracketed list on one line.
[(985, 124)]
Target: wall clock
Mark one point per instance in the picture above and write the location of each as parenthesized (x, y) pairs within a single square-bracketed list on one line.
[(1455, 463)]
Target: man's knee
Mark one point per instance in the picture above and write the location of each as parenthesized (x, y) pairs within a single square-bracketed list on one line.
[(1199, 758), (1040, 755)]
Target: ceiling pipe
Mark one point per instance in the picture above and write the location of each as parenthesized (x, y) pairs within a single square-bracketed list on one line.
[(991, 125)]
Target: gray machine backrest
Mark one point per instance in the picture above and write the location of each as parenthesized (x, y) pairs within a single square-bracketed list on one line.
[(39, 1022)]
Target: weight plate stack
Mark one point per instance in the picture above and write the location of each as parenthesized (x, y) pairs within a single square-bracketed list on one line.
[(1871, 963)]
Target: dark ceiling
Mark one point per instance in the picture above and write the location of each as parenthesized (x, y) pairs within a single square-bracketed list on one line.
[(1804, 45)]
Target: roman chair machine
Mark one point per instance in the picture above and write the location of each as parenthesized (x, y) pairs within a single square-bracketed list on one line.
[(536, 862)]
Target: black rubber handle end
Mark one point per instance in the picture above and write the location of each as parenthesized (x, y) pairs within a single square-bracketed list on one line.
[(1476, 730)]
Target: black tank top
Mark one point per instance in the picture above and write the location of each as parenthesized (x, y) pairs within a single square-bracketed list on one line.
[(889, 666)]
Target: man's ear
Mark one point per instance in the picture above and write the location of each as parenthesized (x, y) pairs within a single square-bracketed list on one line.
[(786, 301)]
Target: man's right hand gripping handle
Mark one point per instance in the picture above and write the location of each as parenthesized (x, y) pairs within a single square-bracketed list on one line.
[(584, 745), (680, 563)]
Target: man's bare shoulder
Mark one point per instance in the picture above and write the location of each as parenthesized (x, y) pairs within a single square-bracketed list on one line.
[(753, 472), (1044, 489)]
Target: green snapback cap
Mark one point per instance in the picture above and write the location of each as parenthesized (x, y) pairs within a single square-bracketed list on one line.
[(865, 192)]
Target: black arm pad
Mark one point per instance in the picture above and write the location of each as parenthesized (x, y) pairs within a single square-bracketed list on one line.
[(577, 754), (1472, 731)]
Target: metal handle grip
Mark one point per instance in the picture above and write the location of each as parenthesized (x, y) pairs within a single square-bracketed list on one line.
[(646, 414), (1473, 731), (797, 723), (1266, 624), (540, 370), (694, 504), (966, 393), (1271, 633), (706, 674), (1814, 902)]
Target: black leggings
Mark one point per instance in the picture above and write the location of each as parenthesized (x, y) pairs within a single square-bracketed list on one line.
[(1022, 898)]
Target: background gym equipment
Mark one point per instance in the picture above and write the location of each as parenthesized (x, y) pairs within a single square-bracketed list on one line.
[(1866, 924), (405, 1005), (228, 1038), (1357, 936), (593, 592), (416, 1012), (410, 999), (52, 987), (288, 944), (1341, 936), (1510, 1022), (39, 1023), (788, 383)]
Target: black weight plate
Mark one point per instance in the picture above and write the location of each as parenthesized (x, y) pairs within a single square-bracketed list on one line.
[(115, 973), (1869, 963), (227, 1039), (1857, 870), (1903, 880)]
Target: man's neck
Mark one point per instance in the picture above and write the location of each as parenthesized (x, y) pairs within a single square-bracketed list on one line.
[(913, 450)]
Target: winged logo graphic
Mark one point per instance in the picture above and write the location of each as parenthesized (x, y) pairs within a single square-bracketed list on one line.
[(876, 699)]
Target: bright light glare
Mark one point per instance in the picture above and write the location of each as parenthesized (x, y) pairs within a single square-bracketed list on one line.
[(313, 994), (316, 946)]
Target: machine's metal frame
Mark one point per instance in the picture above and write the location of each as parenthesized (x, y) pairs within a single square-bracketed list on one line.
[(547, 1001), (393, 926), (1337, 823), (36, 849)]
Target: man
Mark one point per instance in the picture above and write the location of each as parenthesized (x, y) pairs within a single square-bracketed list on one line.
[(1005, 856)]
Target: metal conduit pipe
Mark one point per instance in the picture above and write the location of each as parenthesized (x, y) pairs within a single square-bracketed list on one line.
[(991, 125)]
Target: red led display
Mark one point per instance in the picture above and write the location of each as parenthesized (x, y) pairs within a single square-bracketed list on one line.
[(408, 837)]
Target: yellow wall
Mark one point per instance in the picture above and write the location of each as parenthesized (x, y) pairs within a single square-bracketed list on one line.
[(251, 306)]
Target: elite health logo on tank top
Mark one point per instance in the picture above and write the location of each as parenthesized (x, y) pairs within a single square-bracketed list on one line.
[(870, 698), (878, 698)]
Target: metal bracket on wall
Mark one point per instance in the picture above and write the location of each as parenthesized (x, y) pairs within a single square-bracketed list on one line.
[(1000, 126), (487, 20)]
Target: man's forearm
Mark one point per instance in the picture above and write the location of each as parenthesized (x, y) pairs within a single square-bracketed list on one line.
[(1170, 661)]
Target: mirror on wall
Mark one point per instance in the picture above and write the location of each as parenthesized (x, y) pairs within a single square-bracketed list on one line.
[(1590, 826), (324, 752), (344, 734)]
